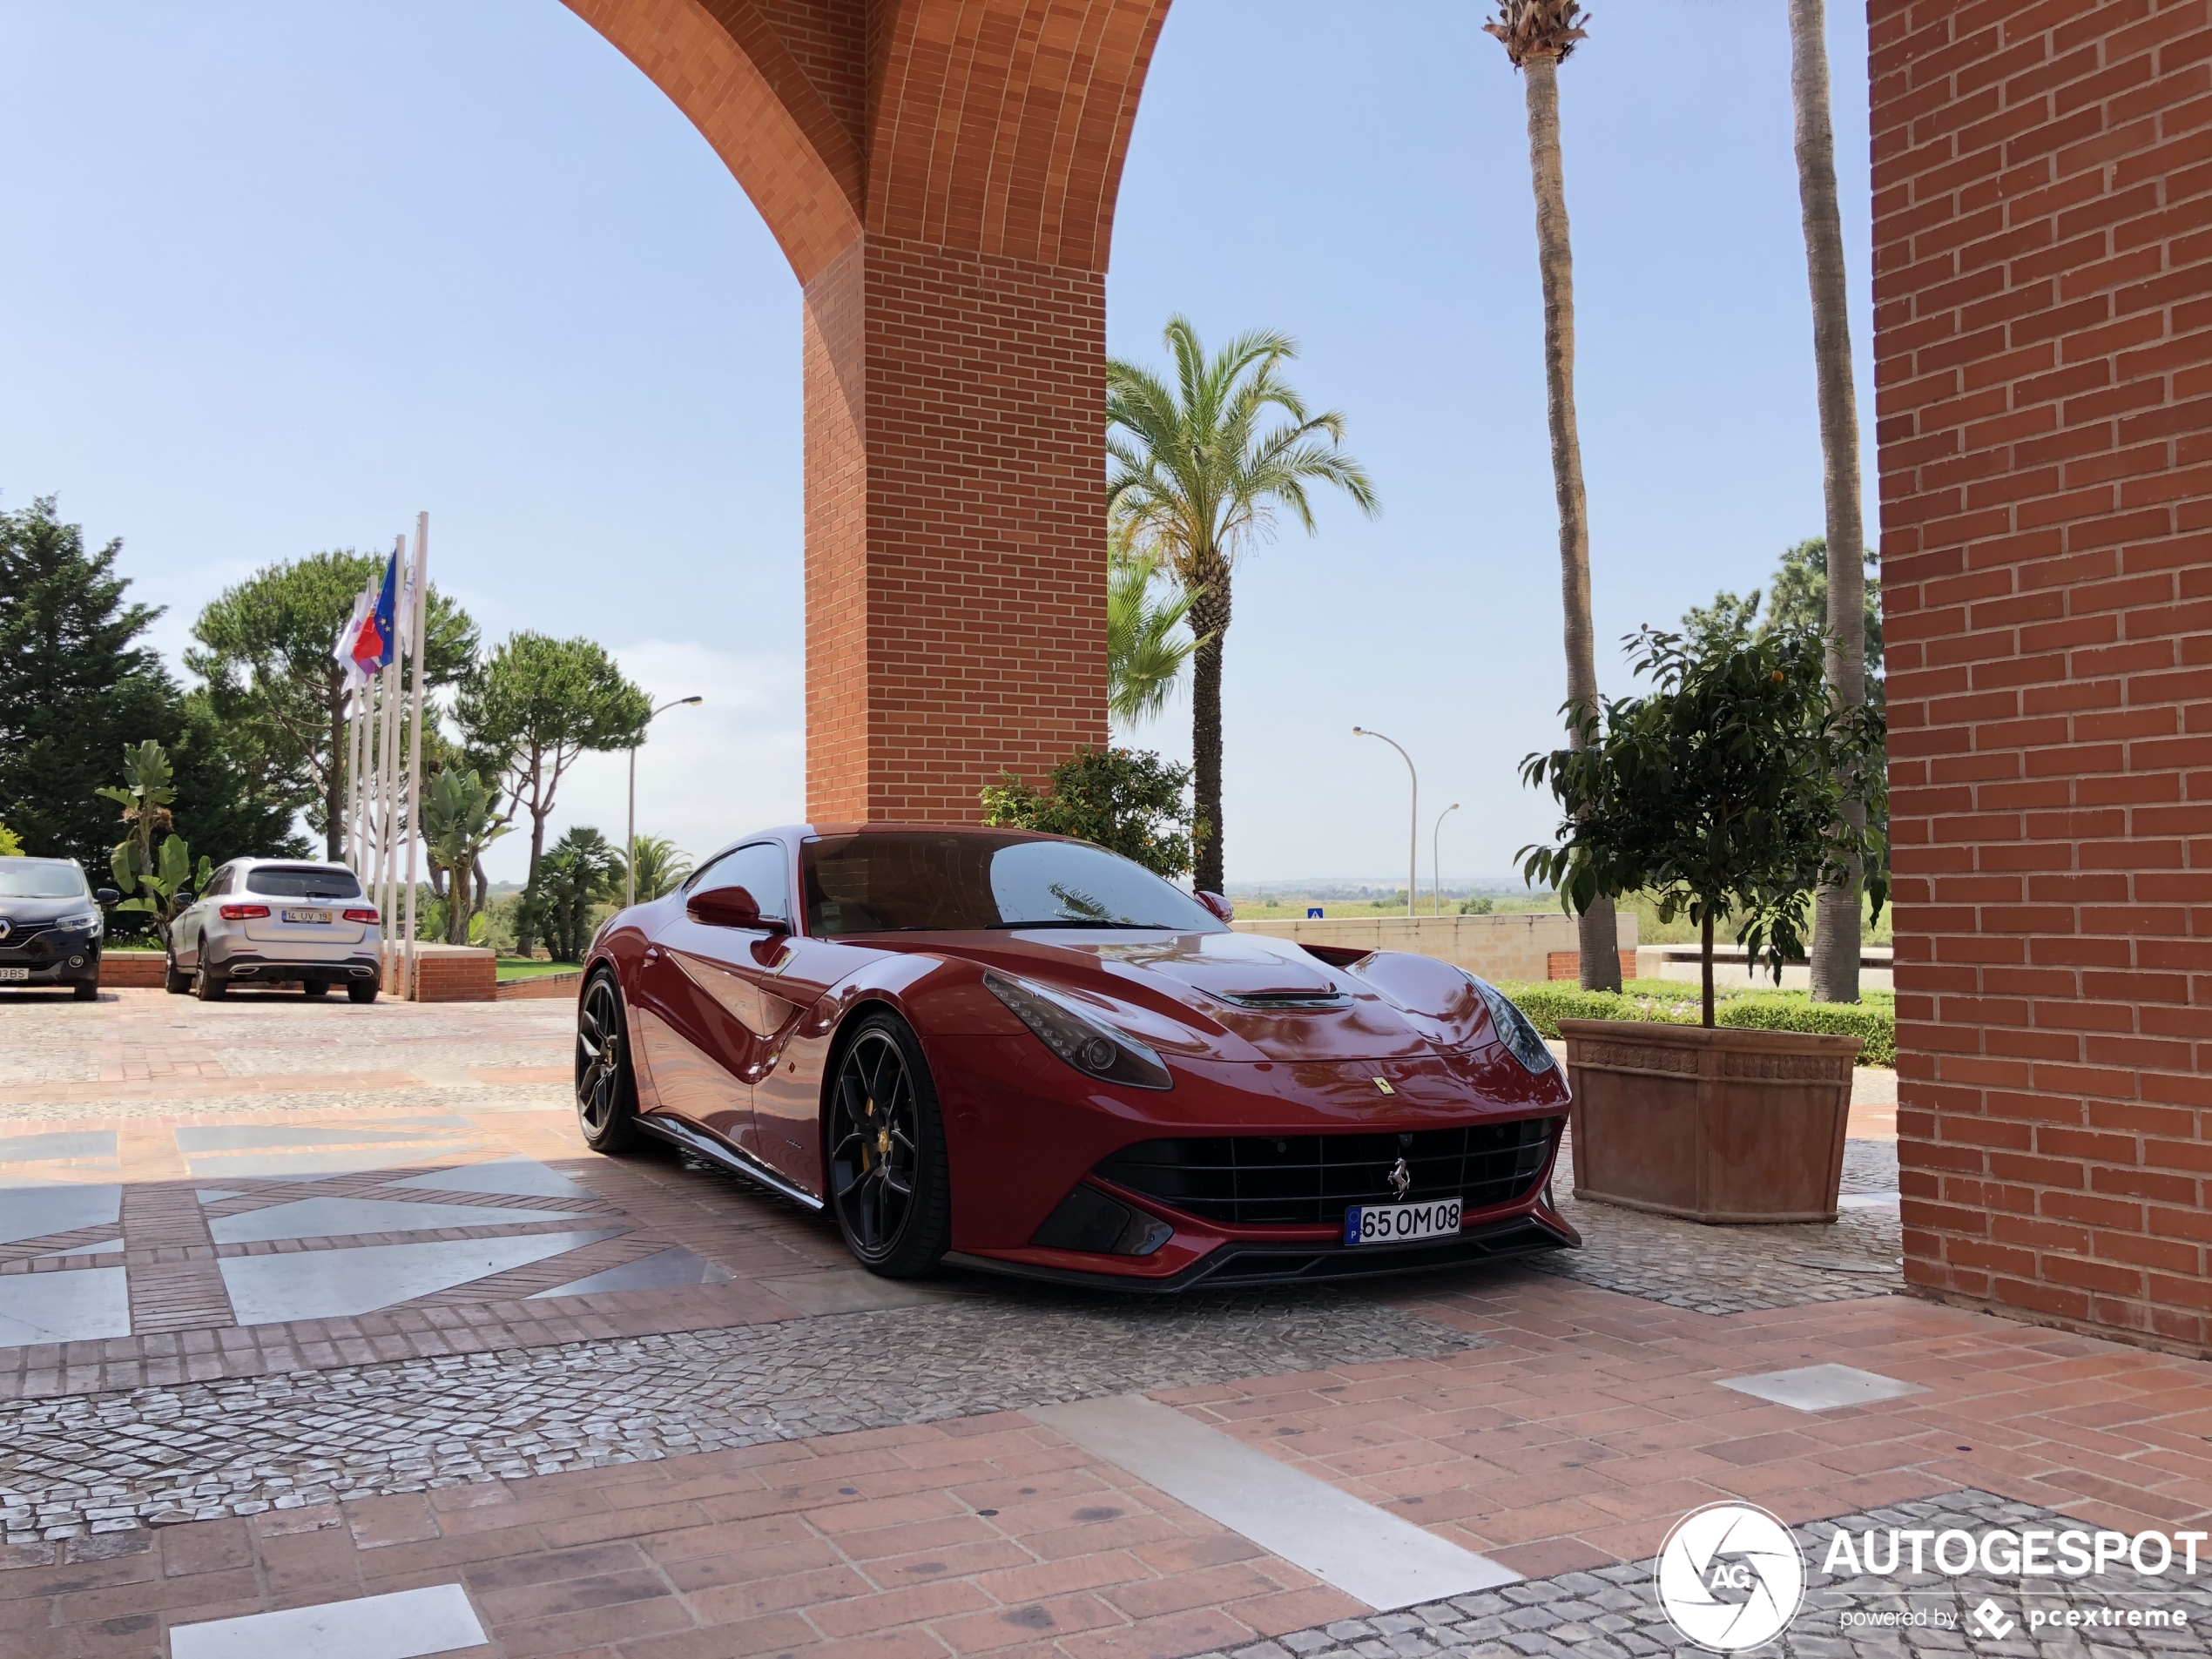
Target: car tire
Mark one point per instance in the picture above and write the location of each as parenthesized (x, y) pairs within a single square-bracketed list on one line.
[(88, 990), (890, 1185), (174, 979), (207, 985), (314, 988), (361, 991), (606, 1087)]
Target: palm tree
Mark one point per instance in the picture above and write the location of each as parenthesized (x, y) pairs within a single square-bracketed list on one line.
[(1147, 646), (1836, 909), (1539, 36), (1199, 468), (661, 867)]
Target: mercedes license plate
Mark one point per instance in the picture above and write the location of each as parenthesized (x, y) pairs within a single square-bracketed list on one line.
[(11, 973), (1394, 1224), (307, 915)]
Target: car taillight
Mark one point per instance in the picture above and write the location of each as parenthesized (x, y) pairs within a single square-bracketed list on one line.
[(244, 912), (360, 915)]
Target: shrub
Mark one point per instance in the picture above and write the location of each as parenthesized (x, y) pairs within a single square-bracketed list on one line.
[(1875, 1026), (1670, 1002), (1128, 801)]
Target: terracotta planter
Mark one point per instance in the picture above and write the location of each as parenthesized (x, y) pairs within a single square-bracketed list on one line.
[(1719, 1126)]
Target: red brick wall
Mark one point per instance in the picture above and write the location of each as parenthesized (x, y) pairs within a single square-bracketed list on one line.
[(941, 175), (454, 973), (2043, 343), (955, 500)]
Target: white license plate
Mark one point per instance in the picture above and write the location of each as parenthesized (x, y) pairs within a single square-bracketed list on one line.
[(10, 974), (1394, 1224), (322, 916)]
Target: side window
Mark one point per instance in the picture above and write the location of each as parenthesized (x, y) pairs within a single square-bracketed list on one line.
[(761, 869), (219, 882)]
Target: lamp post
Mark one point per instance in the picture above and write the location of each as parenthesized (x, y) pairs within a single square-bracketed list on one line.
[(1436, 854), (1413, 823), (629, 846)]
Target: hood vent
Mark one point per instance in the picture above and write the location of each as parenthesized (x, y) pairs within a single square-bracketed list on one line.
[(1273, 1000)]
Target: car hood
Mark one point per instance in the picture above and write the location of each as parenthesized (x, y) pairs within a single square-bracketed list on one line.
[(1243, 996), (25, 913)]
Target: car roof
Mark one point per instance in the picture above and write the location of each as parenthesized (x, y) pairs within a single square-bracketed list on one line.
[(295, 864), (25, 858)]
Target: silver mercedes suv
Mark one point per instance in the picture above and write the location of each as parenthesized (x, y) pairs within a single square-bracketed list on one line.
[(277, 922)]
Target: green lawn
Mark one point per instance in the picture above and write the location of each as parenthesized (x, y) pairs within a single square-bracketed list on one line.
[(529, 967)]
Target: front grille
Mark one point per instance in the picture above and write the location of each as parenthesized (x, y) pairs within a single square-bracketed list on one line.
[(1255, 1180)]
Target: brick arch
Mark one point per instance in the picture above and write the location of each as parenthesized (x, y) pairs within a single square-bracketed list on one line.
[(942, 176)]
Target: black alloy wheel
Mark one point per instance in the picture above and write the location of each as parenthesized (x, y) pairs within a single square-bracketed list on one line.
[(886, 1153), (606, 1099)]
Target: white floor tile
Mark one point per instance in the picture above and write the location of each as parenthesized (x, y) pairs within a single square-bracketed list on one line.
[(277, 1166), (1822, 1388), (34, 1211), (1868, 1201), (332, 1284), (667, 1271), (407, 1624), (1365, 1552), (343, 1217), (80, 1304), (509, 1177)]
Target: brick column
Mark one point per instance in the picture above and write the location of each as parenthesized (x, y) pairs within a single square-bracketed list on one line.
[(955, 494), (2043, 337)]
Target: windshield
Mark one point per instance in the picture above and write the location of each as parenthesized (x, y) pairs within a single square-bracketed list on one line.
[(304, 884), (903, 882), (40, 878)]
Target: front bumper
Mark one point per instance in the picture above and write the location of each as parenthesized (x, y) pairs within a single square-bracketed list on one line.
[(53, 957), (1245, 1262), (241, 968)]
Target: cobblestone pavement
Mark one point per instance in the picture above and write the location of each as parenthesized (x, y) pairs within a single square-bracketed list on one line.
[(107, 1461), (1614, 1612), (1741, 1270)]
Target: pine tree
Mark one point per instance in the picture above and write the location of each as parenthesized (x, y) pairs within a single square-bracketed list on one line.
[(75, 685)]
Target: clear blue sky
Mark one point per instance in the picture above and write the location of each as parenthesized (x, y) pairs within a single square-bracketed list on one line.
[(282, 274)]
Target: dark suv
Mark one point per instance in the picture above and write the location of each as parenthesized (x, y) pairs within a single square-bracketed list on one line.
[(51, 925)]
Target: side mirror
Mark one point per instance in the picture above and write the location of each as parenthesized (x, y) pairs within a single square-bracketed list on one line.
[(184, 895), (730, 908), (107, 895), (1221, 908)]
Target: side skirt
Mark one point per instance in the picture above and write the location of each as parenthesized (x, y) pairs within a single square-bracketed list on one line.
[(729, 1157)]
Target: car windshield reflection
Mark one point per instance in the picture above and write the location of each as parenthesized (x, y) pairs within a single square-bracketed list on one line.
[(911, 881)]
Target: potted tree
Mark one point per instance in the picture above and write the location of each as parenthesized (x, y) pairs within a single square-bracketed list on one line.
[(1721, 793)]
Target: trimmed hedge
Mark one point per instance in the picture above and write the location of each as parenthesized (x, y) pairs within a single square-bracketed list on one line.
[(1873, 1022)]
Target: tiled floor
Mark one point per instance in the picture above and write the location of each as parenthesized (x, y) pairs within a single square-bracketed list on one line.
[(276, 1227)]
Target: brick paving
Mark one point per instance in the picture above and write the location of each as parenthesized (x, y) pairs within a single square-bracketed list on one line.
[(789, 1456)]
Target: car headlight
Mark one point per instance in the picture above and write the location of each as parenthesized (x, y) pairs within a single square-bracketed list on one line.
[(88, 923), (1513, 1030), (1084, 1043)]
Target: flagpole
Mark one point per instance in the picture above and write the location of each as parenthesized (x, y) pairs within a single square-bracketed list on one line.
[(386, 846), (357, 788), (413, 635)]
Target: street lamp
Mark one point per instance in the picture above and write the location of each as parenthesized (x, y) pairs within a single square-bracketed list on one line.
[(1413, 824), (1436, 855), (630, 853)]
